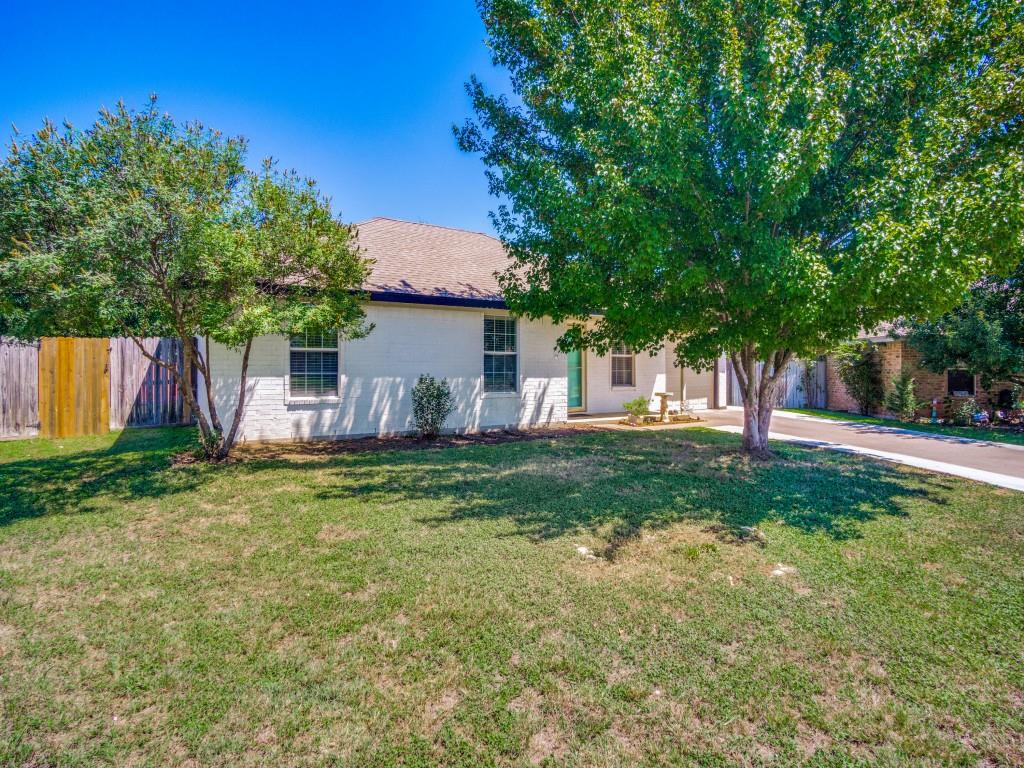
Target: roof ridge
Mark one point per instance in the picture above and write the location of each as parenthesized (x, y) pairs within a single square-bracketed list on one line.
[(427, 224)]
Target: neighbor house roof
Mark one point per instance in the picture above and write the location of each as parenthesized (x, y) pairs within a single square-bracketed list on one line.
[(429, 264), (881, 333)]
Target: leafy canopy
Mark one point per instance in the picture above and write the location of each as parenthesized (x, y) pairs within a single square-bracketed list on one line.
[(984, 334), (761, 176), (141, 226)]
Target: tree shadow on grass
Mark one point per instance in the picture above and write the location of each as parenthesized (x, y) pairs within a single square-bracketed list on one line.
[(622, 483), (615, 483), (135, 466)]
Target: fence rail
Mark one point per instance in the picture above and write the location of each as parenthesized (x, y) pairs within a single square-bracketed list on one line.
[(62, 386)]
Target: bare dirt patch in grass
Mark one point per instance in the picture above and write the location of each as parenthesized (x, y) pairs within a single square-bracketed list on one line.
[(8, 637), (194, 526), (339, 532), (527, 704), (438, 709), (546, 744), (570, 469)]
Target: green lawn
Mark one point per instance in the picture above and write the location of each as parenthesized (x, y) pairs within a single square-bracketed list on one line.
[(429, 607), (975, 433)]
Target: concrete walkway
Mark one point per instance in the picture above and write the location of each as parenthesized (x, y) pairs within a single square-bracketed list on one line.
[(993, 463)]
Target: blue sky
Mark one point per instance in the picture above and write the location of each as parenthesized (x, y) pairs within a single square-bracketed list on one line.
[(359, 95)]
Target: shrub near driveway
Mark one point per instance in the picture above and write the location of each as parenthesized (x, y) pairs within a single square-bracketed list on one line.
[(429, 607)]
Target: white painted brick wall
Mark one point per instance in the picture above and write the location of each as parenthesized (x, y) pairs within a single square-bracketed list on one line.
[(657, 373), (699, 388), (378, 372), (650, 378)]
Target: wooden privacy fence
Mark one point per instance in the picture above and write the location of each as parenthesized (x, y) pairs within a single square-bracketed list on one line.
[(19, 392), (143, 394), (61, 387), (802, 385), (74, 387), (816, 382)]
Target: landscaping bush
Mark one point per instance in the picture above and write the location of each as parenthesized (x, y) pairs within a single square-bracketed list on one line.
[(859, 365), (963, 412), (637, 408), (432, 403), (901, 400)]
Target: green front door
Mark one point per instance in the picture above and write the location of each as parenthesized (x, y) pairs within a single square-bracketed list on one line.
[(575, 372)]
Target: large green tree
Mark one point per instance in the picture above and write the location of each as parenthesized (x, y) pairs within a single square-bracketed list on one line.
[(760, 179), (141, 226), (984, 334)]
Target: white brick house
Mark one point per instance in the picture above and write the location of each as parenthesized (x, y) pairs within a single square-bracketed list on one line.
[(437, 309)]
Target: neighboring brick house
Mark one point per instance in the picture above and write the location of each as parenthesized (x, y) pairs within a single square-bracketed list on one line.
[(898, 356)]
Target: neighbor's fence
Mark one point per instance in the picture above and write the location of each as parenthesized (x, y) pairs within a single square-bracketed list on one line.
[(74, 387), (816, 383), (802, 385), (59, 387), (143, 394), (19, 388)]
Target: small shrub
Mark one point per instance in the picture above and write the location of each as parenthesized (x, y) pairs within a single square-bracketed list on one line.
[(963, 412), (432, 403), (859, 365), (901, 399), (637, 408)]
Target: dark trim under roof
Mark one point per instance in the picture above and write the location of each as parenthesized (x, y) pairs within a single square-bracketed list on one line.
[(398, 297)]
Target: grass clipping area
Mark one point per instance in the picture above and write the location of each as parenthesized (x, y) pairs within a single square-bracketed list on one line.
[(599, 599)]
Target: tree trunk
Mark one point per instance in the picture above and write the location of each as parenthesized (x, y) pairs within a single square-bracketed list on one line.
[(208, 383), (184, 382), (209, 430), (755, 437), (758, 388), (229, 441)]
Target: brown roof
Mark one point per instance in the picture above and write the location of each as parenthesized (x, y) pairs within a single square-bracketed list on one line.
[(881, 332), (431, 264)]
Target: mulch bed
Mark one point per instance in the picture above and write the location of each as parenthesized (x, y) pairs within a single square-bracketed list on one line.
[(327, 447)]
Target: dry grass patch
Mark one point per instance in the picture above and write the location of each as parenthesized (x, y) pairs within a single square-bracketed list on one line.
[(339, 532)]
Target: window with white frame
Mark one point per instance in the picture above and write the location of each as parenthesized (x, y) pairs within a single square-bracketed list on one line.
[(313, 364), (623, 366), (501, 360)]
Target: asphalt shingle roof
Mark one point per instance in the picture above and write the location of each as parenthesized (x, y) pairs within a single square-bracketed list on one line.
[(431, 262)]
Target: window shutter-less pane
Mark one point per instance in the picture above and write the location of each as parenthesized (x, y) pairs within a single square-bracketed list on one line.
[(501, 362), (313, 364), (623, 366)]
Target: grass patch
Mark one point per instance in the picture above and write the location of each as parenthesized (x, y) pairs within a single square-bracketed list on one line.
[(430, 607), (974, 433)]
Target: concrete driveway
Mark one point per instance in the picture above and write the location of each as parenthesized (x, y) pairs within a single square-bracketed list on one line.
[(993, 463)]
